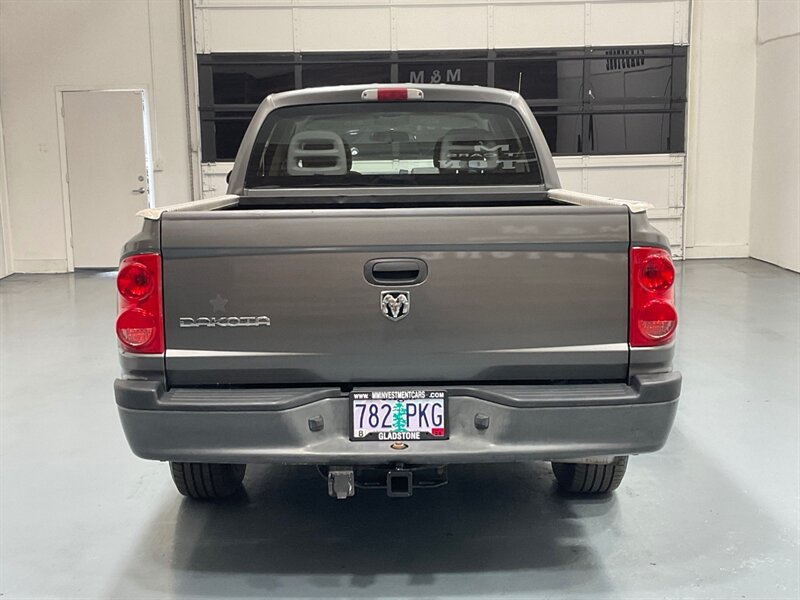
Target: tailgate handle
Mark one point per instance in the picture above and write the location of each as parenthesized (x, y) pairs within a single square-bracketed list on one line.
[(395, 271)]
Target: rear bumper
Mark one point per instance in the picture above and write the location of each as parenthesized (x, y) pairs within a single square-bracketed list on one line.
[(525, 422)]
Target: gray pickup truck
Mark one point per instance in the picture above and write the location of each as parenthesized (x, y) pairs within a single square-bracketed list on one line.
[(396, 282)]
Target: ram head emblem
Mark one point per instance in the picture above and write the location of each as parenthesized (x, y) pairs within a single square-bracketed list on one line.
[(395, 305)]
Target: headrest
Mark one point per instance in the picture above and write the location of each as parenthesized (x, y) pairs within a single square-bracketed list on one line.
[(316, 153), (466, 150)]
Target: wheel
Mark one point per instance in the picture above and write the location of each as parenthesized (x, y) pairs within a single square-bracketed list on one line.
[(207, 481), (578, 478)]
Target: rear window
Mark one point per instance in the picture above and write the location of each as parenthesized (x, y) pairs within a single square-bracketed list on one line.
[(393, 144)]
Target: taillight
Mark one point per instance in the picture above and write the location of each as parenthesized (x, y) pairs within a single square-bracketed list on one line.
[(135, 281), (136, 327), (653, 317), (140, 320)]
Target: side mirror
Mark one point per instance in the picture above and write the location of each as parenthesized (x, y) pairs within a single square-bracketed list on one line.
[(228, 177)]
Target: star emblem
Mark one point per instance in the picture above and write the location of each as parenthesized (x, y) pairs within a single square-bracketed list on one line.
[(218, 303)]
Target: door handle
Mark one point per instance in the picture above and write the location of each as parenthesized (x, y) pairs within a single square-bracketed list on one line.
[(140, 190), (395, 271)]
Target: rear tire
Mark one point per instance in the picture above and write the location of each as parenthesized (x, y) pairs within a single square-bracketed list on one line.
[(207, 481), (577, 478)]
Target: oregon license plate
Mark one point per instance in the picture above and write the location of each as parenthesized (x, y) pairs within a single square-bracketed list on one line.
[(398, 415)]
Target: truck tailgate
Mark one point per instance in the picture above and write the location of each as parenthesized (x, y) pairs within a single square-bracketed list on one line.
[(511, 294)]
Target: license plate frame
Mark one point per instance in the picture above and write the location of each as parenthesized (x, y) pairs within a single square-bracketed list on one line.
[(405, 397)]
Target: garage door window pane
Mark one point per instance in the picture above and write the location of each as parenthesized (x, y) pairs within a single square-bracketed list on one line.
[(459, 68), (344, 68), (550, 79), (634, 76), (563, 132), (250, 84), (221, 137), (628, 133)]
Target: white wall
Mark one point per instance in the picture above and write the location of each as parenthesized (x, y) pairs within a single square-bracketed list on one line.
[(5, 229), (46, 44), (722, 68), (775, 209)]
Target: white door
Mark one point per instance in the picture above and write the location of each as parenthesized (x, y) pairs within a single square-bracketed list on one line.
[(104, 132)]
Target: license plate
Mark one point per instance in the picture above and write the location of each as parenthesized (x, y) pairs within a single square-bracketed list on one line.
[(398, 415)]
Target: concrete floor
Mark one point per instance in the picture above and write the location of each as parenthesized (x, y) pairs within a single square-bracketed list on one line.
[(713, 515)]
